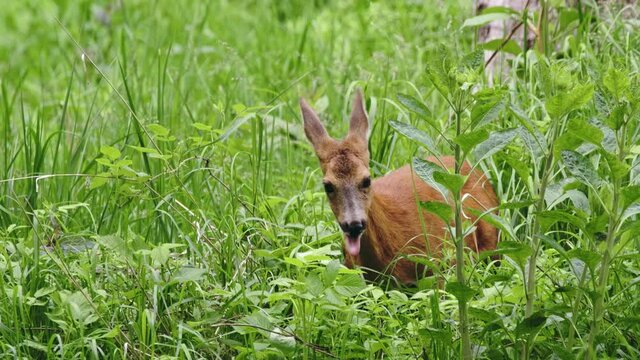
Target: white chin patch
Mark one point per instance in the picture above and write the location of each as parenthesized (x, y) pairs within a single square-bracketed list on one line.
[(352, 244)]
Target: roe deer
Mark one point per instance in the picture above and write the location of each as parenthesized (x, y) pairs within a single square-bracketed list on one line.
[(380, 218)]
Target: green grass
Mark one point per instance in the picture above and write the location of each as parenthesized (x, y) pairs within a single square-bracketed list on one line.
[(158, 198)]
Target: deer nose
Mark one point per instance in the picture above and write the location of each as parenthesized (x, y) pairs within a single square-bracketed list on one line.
[(353, 228)]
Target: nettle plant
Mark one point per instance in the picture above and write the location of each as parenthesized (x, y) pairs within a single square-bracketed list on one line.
[(468, 134), (615, 187), (575, 196), (580, 186)]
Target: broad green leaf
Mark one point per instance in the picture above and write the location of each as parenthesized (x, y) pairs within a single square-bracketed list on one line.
[(510, 46), (500, 9), (452, 182), (630, 211), (587, 256), (79, 305), (438, 77), (123, 171), (618, 169), (535, 142), (517, 204), (580, 167), (586, 131), (350, 285), (441, 335), (416, 135), (282, 341), (496, 221), (616, 81), (282, 281), (600, 101), (579, 200), (531, 325), (483, 113), (500, 277), (531, 136), (158, 130), (239, 108), (333, 298), (483, 315), (160, 156), (415, 105), (111, 333), (522, 117), (44, 291), (544, 73), (568, 16), (461, 291), (331, 272), (313, 284), (497, 141), (483, 19), (143, 149), (99, 180), (110, 152), (609, 141), (426, 170), (161, 253), (316, 254), (257, 321), (598, 224), (565, 102), (617, 116), (556, 190), (469, 140), (630, 194), (631, 226), (122, 163), (188, 273), (560, 76), (519, 165), (440, 209), (549, 217), (201, 126), (566, 141), (115, 244), (427, 283), (472, 60), (518, 251), (552, 243), (578, 131)]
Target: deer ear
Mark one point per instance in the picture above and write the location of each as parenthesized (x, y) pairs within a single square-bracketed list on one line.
[(313, 128), (359, 124)]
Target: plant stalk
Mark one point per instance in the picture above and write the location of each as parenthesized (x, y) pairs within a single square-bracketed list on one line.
[(598, 309), (614, 218), (462, 303), (530, 280)]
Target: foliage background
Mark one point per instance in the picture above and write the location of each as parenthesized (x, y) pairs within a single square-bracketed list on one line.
[(158, 198)]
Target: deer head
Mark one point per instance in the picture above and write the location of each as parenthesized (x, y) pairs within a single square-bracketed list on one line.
[(345, 166)]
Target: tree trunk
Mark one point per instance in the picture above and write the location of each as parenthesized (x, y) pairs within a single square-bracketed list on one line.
[(501, 29)]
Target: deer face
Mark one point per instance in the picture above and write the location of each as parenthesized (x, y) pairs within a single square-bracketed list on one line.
[(345, 166)]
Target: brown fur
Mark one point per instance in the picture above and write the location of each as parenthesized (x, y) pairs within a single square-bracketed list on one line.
[(394, 224), (394, 227)]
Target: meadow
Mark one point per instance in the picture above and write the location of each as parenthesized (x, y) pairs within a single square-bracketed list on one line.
[(158, 197)]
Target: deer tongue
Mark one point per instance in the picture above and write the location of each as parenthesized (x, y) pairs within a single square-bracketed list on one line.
[(352, 244)]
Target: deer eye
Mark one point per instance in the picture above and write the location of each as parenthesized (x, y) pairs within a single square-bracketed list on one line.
[(366, 183), (329, 188)]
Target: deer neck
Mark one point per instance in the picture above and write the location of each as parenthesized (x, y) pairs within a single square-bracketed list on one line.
[(376, 252)]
